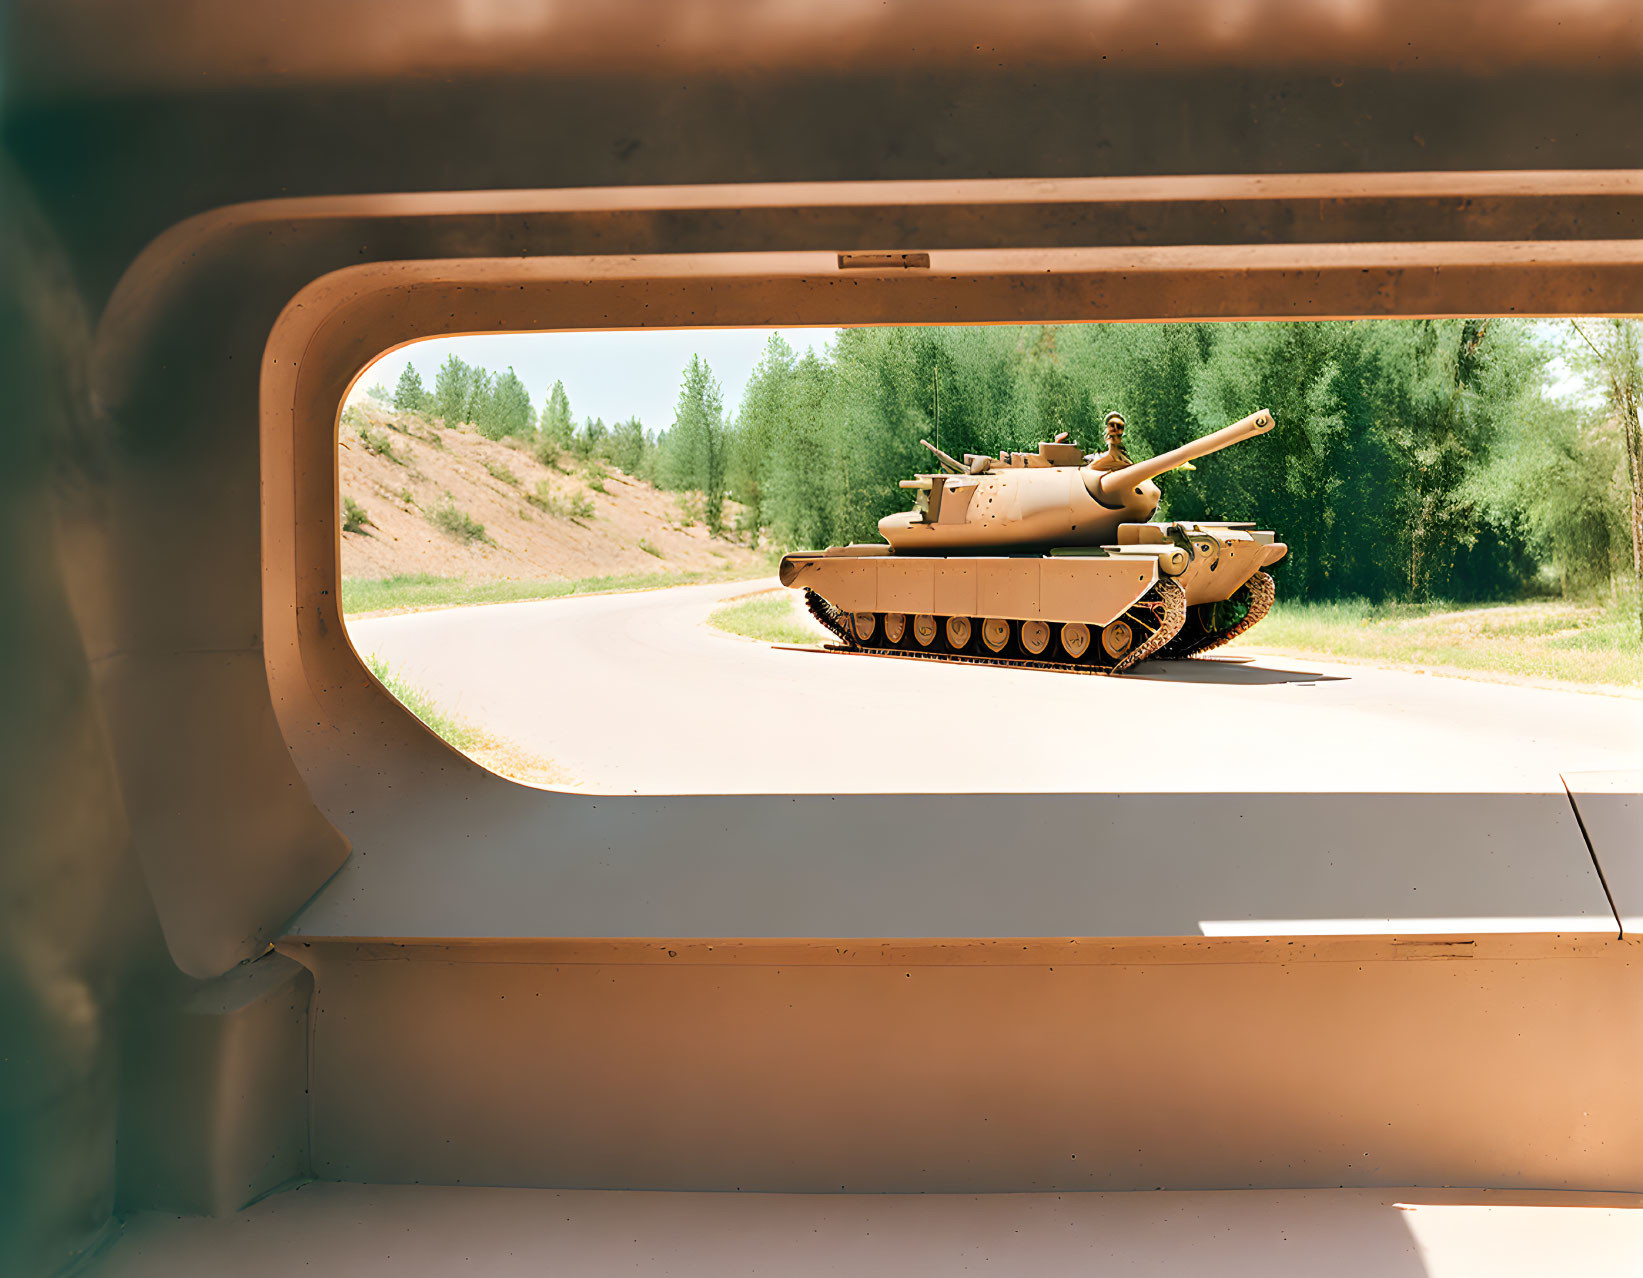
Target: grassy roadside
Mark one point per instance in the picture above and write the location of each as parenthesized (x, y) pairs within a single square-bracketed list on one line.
[(770, 618), (501, 757), (423, 590), (1594, 642)]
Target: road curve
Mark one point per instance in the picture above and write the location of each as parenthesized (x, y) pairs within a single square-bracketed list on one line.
[(636, 694)]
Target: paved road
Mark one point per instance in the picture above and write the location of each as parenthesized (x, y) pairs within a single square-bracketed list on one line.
[(634, 693)]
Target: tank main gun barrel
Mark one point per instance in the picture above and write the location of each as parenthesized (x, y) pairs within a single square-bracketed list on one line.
[(1108, 486)]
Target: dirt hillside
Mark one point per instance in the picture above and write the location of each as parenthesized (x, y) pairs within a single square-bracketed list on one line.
[(426, 490)]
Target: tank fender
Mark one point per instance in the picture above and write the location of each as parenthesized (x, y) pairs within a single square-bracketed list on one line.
[(1232, 557), (792, 568), (1172, 560)]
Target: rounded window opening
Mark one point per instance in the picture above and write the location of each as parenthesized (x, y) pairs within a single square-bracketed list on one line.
[(1365, 555)]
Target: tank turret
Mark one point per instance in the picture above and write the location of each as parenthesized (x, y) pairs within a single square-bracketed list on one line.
[(1055, 497), (1046, 558)]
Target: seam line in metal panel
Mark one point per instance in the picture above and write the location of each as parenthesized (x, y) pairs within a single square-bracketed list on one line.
[(1620, 927)]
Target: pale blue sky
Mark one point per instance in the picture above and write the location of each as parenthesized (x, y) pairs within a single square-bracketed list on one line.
[(610, 375)]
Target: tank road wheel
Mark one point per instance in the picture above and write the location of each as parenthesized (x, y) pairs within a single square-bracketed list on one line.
[(1117, 639), (865, 623), (1035, 638), (924, 630), (1075, 639), (995, 633), (958, 633), (895, 627)]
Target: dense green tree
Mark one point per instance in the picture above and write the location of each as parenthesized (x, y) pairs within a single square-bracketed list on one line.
[(760, 424), (629, 446), (509, 412), (695, 456), (1615, 369), (409, 397), (1405, 463), (591, 440), (558, 427), (450, 398), (479, 405)]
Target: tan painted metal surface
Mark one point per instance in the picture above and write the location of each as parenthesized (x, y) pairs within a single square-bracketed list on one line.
[(214, 1087), (432, 1232), (196, 747), (1610, 808), (979, 1066), (393, 791), (1056, 590)]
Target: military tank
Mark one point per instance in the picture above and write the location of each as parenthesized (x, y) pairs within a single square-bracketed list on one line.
[(1048, 558)]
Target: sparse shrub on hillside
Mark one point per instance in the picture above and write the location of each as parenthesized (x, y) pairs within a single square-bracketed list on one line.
[(650, 549), (545, 499), (596, 475), (499, 471), (458, 523), (549, 457), (691, 509), (407, 496), (378, 442), (354, 518)]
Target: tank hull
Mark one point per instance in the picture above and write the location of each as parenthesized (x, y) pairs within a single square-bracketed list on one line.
[(1037, 588), (1162, 589)]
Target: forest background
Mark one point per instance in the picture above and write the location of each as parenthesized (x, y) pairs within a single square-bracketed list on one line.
[(1465, 459)]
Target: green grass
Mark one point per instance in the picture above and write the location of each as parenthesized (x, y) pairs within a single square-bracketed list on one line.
[(1593, 642), (770, 618), (424, 590), (499, 471), (650, 549), (454, 731), (596, 475)]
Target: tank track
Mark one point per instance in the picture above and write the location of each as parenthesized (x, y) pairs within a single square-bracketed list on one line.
[(1262, 591), (1166, 600)]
